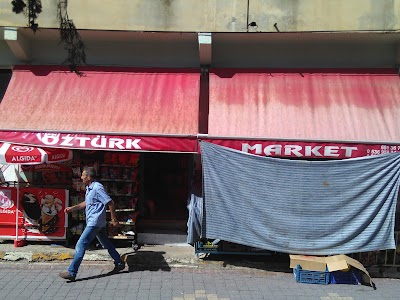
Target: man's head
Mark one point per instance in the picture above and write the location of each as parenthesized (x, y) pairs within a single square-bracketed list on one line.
[(88, 175)]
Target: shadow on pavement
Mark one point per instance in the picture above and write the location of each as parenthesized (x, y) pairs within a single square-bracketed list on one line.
[(269, 263), (146, 261), (98, 276), (137, 261)]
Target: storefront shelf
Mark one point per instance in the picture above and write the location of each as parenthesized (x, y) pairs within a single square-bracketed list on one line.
[(121, 195), (124, 223), (122, 209), (121, 237), (123, 166), (116, 180)]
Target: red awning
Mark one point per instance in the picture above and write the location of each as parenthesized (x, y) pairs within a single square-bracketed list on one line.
[(107, 108), (331, 105)]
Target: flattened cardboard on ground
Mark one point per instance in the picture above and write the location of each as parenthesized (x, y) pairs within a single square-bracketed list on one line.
[(311, 263), (333, 263)]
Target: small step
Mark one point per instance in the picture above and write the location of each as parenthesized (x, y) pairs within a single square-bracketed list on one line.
[(154, 225), (154, 238)]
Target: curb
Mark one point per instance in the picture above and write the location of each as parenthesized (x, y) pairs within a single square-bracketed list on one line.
[(92, 265), (13, 256)]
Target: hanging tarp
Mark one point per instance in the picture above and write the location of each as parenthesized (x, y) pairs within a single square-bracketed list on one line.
[(299, 206), (195, 208)]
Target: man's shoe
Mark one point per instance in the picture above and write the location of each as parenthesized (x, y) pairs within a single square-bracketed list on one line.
[(118, 268), (67, 275)]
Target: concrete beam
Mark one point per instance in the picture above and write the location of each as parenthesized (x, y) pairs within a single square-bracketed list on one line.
[(17, 43), (205, 41)]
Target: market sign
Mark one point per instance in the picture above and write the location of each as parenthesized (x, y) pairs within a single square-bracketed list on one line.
[(296, 149), (189, 144)]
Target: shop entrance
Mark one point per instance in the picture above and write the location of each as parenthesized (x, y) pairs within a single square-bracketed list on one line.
[(165, 188)]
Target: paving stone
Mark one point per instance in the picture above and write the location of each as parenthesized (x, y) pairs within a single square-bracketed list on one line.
[(35, 279)]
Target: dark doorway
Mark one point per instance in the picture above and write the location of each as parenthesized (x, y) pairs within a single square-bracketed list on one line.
[(166, 183)]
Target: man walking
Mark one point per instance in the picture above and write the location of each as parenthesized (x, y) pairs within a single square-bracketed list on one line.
[(96, 202)]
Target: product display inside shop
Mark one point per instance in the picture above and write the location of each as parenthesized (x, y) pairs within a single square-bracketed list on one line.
[(43, 191), (154, 184), (118, 172)]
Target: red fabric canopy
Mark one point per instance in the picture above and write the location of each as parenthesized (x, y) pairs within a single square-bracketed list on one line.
[(105, 101), (305, 105)]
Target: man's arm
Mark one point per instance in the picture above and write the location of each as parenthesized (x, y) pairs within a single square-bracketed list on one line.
[(79, 206), (114, 220)]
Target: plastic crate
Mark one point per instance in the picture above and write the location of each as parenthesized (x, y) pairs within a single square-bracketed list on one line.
[(306, 276), (353, 276)]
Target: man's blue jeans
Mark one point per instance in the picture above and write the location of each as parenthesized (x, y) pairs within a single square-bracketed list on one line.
[(86, 238)]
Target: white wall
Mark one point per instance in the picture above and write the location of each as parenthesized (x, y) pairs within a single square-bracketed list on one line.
[(218, 15)]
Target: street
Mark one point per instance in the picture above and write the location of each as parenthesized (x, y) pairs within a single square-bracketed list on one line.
[(40, 281)]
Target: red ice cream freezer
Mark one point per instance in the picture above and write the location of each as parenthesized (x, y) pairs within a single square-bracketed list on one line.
[(40, 213)]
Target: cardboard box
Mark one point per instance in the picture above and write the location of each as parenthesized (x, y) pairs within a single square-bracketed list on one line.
[(311, 263), (332, 263)]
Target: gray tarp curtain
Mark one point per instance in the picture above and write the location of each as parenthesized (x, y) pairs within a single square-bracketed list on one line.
[(195, 208), (299, 206)]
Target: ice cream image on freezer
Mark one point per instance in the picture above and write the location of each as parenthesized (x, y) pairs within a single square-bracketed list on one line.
[(49, 214), (31, 208)]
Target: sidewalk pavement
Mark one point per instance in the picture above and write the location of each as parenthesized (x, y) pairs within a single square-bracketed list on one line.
[(160, 257), (40, 281), (154, 256)]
